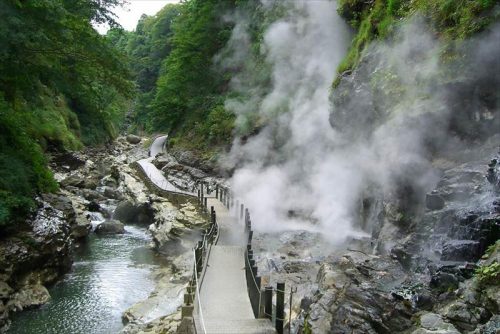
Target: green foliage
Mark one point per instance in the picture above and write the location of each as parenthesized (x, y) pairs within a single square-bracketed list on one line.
[(188, 86), (146, 49), (22, 168), (61, 84), (488, 274), (452, 19)]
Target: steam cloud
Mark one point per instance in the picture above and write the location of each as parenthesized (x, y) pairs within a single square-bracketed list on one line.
[(318, 156)]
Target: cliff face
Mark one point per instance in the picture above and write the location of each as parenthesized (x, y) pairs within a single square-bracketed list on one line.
[(424, 103)]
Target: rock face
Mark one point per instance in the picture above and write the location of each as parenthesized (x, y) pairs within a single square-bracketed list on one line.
[(36, 256), (415, 274), (110, 227)]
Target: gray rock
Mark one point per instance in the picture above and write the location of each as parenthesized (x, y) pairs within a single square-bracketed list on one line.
[(81, 229), (434, 201), (112, 193), (29, 296), (110, 227), (491, 327), (133, 139), (130, 213), (74, 180), (444, 281), (461, 250), (5, 290), (109, 181), (434, 322), (464, 316)]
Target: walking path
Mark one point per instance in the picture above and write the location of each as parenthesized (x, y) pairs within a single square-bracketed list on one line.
[(224, 300)]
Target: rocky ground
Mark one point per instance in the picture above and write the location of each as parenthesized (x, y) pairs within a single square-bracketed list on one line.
[(96, 181), (425, 274)]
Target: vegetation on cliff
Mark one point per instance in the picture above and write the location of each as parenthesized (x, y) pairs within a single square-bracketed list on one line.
[(62, 85), (376, 19), (177, 59)]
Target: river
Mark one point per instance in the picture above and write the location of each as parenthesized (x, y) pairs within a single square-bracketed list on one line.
[(110, 274)]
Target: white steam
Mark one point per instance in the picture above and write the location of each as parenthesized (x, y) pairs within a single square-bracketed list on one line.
[(299, 172)]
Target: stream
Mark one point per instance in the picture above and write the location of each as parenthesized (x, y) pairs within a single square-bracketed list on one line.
[(110, 273)]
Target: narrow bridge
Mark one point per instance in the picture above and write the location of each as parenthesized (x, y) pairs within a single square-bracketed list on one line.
[(224, 294)]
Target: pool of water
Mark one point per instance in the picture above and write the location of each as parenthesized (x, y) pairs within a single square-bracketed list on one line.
[(110, 274)]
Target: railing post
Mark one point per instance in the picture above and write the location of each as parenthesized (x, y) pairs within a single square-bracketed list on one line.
[(268, 302), (241, 211), (198, 253), (199, 197), (250, 236), (202, 195), (217, 191), (205, 205), (280, 307)]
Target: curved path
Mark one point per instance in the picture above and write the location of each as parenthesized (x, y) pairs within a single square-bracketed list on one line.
[(155, 175), (224, 300)]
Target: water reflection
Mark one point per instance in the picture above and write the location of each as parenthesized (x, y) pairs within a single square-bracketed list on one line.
[(110, 274)]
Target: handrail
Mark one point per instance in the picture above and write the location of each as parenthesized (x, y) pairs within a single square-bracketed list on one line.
[(198, 294)]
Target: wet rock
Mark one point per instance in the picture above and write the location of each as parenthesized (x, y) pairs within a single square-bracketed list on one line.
[(461, 250), (69, 160), (5, 290), (109, 181), (130, 213), (112, 193), (29, 296), (434, 323), (74, 180), (434, 201), (81, 228), (491, 327), (443, 281), (110, 227), (355, 294), (133, 139), (93, 206), (464, 316)]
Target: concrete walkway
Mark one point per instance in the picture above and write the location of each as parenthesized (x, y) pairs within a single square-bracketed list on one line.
[(155, 175), (225, 304)]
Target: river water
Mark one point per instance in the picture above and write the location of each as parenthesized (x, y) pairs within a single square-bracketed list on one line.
[(110, 274)]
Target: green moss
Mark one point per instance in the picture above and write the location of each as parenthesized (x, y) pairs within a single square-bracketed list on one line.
[(451, 19)]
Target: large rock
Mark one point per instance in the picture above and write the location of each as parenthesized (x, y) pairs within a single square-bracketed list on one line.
[(434, 201), (130, 213), (110, 227), (461, 250), (5, 290), (74, 180), (29, 296), (81, 228), (432, 323), (133, 139)]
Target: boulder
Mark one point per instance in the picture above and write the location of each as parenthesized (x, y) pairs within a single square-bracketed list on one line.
[(133, 139), (434, 201), (130, 213), (110, 227), (29, 296), (74, 180), (433, 323), (81, 228), (5, 290), (461, 250)]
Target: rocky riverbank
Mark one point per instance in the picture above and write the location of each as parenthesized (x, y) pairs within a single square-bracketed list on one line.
[(95, 182), (434, 272)]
